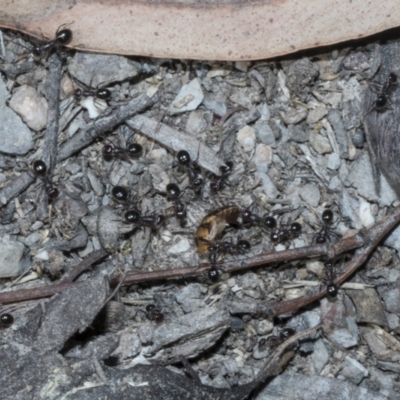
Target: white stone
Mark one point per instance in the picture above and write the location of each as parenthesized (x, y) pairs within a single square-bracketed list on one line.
[(220, 71), (333, 161), (262, 157), (366, 217), (181, 247), (188, 99), (11, 258), (94, 106), (247, 138), (30, 106), (242, 65)]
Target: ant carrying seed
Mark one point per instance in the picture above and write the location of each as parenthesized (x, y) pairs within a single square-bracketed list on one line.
[(383, 90), (193, 170), (173, 192), (6, 320), (62, 38), (219, 181), (326, 233), (285, 233), (40, 169)]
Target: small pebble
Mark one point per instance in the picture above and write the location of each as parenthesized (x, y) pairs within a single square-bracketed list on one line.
[(353, 371), (316, 114), (319, 143), (15, 136), (11, 258), (30, 106), (310, 194), (262, 157), (181, 247), (188, 99), (333, 161), (294, 115), (247, 138), (365, 214)]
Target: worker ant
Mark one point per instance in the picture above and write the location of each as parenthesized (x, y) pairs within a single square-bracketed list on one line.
[(326, 233), (132, 150), (249, 218), (62, 38), (332, 288), (285, 233), (153, 221), (219, 181), (193, 170), (383, 90), (173, 192), (40, 170)]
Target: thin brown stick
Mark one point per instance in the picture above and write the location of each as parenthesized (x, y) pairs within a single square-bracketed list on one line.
[(369, 238)]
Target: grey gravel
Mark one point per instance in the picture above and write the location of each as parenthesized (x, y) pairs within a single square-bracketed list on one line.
[(15, 136), (12, 258), (353, 371)]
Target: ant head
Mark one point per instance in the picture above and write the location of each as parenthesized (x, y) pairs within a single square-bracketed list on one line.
[(327, 216), (132, 216), (227, 168), (392, 78), (6, 320), (332, 290), (243, 245), (295, 227), (78, 93), (183, 157), (173, 190), (37, 51), (213, 275), (381, 102), (52, 193), (120, 193), (103, 94), (269, 222), (39, 167), (135, 149), (64, 36)]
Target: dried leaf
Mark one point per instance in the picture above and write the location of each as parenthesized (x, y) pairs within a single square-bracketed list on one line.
[(240, 31)]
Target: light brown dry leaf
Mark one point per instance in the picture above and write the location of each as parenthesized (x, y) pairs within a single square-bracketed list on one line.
[(237, 31)]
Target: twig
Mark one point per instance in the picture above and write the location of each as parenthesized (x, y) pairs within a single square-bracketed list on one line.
[(53, 113), (94, 130), (92, 258), (369, 238), (176, 140)]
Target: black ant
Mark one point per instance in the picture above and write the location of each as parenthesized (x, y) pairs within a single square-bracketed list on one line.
[(382, 90), (102, 93), (284, 234), (241, 247), (6, 320), (153, 221), (133, 150), (249, 218), (154, 313), (325, 233), (330, 275), (62, 38), (219, 182), (120, 193), (274, 341), (192, 169), (174, 193), (40, 169)]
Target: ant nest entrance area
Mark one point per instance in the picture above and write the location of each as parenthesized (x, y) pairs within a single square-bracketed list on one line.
[(228, 220)]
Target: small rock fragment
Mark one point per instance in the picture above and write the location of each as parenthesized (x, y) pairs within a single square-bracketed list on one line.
[(262, 157), (247, 138), (295, 115), (319, 143), (333, 161), (15, 137), (320, 355), (353, 371), (188, 99), (30, 106), (12, 260), (310, 194), (182, 246)]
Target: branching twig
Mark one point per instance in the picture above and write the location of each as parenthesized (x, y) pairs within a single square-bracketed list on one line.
[(367, 238)]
